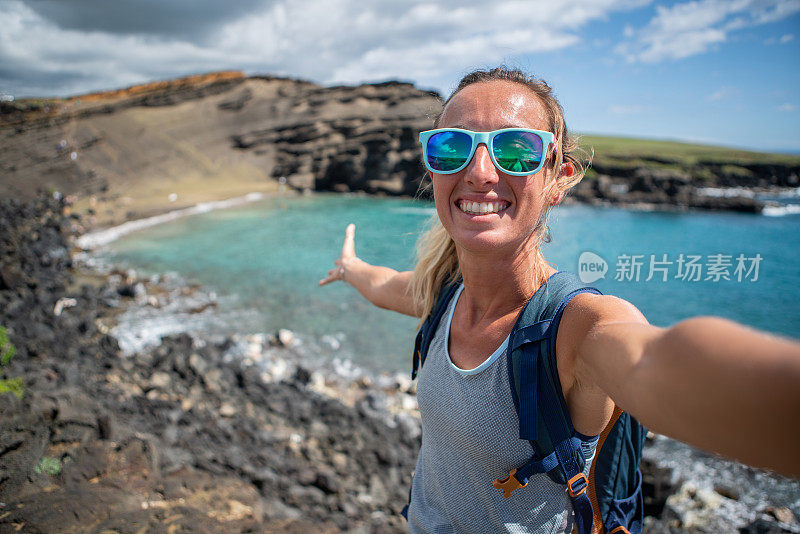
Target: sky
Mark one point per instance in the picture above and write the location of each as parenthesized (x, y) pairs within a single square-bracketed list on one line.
[(723, 72)]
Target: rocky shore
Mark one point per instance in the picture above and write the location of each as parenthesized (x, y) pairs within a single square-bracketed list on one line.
[(189, 435), (230, 434)]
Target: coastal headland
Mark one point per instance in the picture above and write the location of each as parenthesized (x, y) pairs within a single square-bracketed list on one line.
[(140, 151)]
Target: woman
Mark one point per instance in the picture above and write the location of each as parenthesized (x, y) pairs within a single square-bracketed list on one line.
[(707, 381)]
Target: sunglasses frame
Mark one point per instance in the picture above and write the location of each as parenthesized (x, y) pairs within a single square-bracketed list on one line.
[(487, 138)]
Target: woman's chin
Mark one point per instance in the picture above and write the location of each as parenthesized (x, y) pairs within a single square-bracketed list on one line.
[(485, 241)]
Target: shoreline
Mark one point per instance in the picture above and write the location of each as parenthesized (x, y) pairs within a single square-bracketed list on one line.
[(104, 236), (98, 237), (313, 345), (279, 353)]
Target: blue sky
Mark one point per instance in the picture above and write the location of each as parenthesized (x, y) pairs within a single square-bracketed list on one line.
[(744, 91), (715, 71)]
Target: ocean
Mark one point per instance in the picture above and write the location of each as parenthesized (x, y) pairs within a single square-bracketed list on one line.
[(263, 261)]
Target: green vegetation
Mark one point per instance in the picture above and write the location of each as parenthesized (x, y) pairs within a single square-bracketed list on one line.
[(30, 104), (613, 150), (7, 351), (48, 466), (702, 164)]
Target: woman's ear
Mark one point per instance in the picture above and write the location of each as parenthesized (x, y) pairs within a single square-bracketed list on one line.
[(567, 169)]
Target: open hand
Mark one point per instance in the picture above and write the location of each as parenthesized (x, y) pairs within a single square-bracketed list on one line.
[(348, 254)]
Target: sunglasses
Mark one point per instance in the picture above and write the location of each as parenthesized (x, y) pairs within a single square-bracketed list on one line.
[(515, 151)]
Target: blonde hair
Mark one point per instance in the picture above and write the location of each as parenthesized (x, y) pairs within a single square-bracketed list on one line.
[(437, 260)]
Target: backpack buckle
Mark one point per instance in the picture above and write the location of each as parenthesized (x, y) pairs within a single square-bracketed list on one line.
[(509, 484), (577, 485)]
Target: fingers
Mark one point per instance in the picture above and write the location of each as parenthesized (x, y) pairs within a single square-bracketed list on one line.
[(333, 275), (348, 251), (349, 246)]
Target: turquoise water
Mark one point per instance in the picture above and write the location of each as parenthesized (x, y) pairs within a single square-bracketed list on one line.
[(264, 261)]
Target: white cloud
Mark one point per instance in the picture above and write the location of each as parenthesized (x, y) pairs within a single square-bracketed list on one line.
[(329, 41), (627, 109), (691, 28), (348, 41), (723, 93), (787, 107), (42, 54), (786, 38)]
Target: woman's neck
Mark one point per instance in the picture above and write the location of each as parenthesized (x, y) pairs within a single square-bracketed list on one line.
[(498, 285)]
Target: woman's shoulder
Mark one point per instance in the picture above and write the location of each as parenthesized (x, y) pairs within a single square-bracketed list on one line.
[(590, 308), (587, 311), (590, 405)]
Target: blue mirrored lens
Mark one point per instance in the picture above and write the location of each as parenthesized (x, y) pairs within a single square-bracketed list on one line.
[(517, 151), (447, 151)]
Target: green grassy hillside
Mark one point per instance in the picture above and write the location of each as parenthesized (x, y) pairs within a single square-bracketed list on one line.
[(650, 151)]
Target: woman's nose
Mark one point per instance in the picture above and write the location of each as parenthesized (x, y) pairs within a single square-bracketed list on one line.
[(481, 169)]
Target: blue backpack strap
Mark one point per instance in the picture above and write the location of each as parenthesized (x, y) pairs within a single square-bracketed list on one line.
[(537, 325), (428, 328), (543, 415), (616, 478), (562, 433)]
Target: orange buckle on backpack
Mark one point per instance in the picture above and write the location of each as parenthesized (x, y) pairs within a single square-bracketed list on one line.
[(508, 484), (576, 481)]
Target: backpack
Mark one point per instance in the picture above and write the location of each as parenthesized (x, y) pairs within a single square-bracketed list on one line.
[(610, 499)]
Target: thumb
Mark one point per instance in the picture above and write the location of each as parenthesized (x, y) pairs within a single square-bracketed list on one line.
[(349, 247)]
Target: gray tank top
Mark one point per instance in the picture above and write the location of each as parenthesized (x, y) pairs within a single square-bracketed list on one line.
[(470, 437)]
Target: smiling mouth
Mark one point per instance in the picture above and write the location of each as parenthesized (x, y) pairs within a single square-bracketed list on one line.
[(482, 208)]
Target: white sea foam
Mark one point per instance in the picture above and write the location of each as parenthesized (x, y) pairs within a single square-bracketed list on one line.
[(780, 211), (789, 193), (137, 335), (93, 240), (726, 192), (773, 199)]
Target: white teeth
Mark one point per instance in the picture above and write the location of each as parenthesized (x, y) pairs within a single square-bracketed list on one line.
[(481, 208)]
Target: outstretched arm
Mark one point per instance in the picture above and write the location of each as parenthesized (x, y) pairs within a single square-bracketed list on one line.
[(382, 286), (707, 381)]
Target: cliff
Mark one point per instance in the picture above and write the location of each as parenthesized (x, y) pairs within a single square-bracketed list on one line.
[(138, 151), (125, 152)]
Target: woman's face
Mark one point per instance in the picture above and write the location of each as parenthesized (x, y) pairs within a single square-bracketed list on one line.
[(484, 107)]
